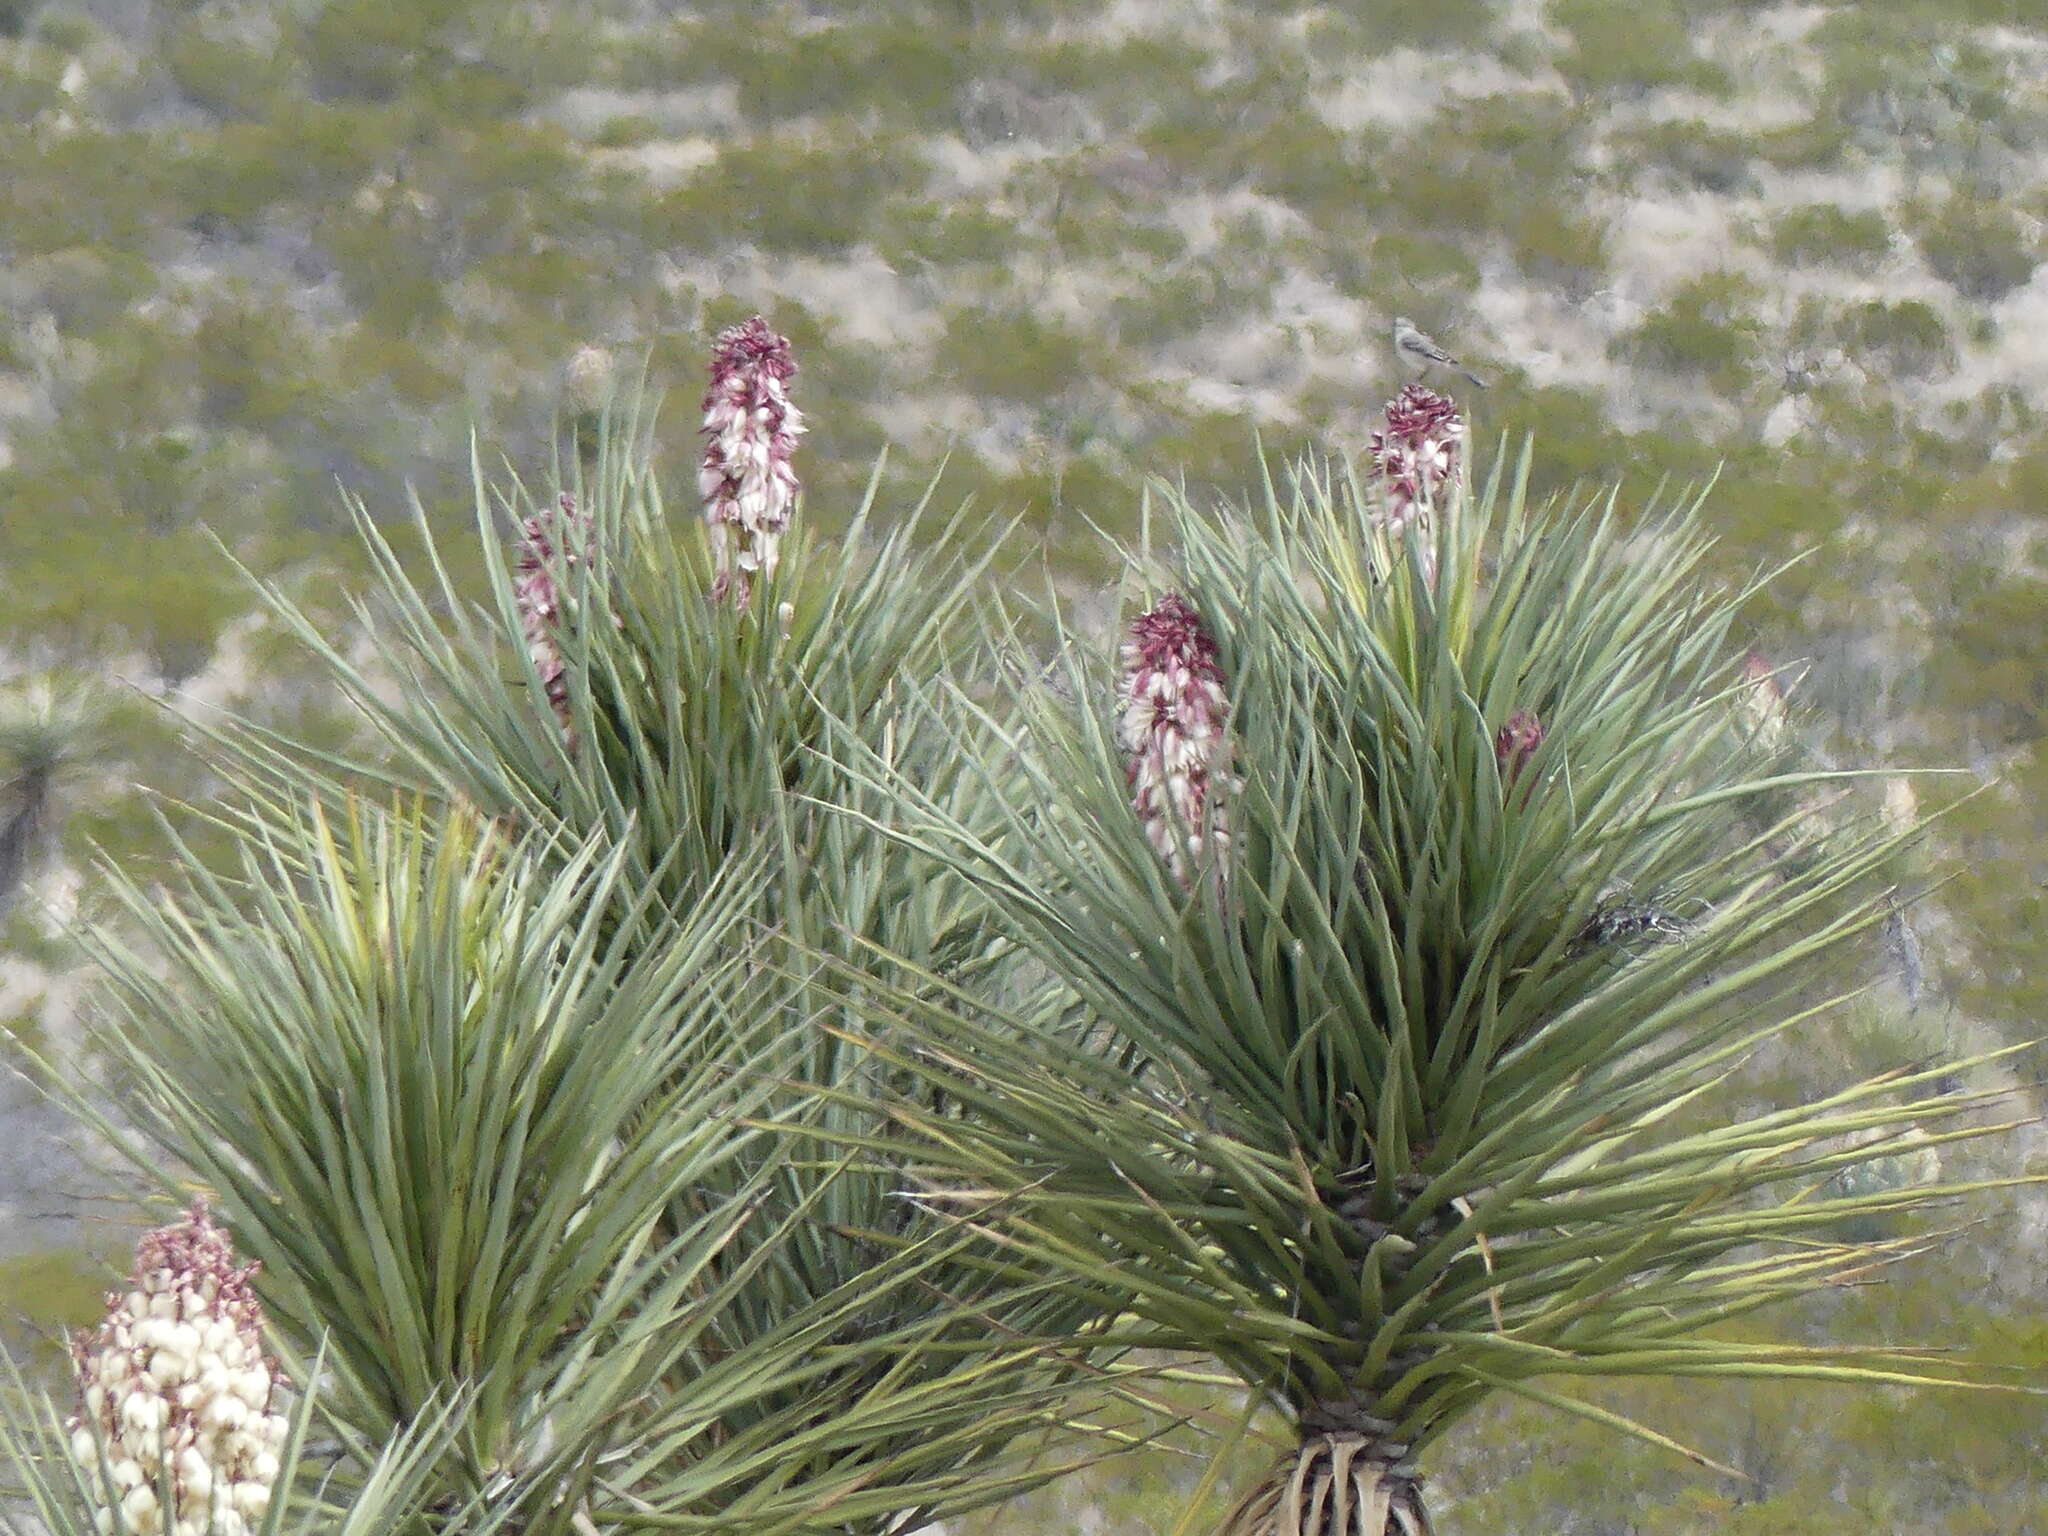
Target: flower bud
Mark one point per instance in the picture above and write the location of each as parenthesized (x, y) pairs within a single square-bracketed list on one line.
[(539, 601), (1515, 743)]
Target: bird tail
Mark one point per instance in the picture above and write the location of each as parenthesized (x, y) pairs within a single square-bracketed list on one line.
[(1477, 381)]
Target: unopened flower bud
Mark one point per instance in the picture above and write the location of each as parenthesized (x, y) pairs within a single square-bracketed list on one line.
[(539, 600), (1515, 743)]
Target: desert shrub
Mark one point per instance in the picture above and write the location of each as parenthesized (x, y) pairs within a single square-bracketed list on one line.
[(946, 234), (1906, 339), (1421, 263), (900, 66), (1558, 247), (251, 362), (625, 131), (1978, 248), (1012, 354), (1694, 155), (1829, 234), (90, 187), (372, 51), (1705, 328), (1623, 48), (228, 179), (224, 73), (1300, 159), (86, 287), (785, 194), (1393, 24), (1101, 74)]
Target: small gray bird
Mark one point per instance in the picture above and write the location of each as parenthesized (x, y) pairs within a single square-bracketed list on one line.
[(1418, 354)]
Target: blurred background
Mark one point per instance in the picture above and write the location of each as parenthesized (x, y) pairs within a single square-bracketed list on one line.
[(254, 255)]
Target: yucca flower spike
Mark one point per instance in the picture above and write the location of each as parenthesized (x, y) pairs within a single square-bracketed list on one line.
[(747, 480), (175, 1391), (1418, 454), (540, 601), (1171, 731)]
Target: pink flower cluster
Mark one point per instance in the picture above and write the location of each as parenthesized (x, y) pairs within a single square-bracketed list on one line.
[(540, 602), (1171, 731), (747, 482), (1418, 453), (175, 1392)]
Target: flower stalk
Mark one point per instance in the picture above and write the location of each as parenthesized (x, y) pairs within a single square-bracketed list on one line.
[(747, 480), (1418, 455), (549, 540), (1171, 731)]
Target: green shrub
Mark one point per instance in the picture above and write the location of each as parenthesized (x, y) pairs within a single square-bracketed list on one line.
[(1558, 247), (1907, 339), (253, 365), (899, 66), (1421, 263), (1396, 24), (1012, 354), (229, 179), (1629, 47), (1705, 329), (371, 50), (1694, 154), (1829, 234), (784, 194), (625, 131), (1978, 248), (89, 187), (1298, 158), (946, 234), (224, 73), (86, 286), (1086, 68)]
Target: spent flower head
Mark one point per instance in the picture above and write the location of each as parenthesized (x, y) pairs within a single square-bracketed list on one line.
[(1171, 729), (175, 1391), (1417, 454), (747, 480), (562, 529)]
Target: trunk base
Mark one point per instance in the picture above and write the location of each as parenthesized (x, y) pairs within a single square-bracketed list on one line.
[(1340, 1483)]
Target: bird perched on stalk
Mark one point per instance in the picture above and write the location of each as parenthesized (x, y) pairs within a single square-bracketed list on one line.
[(1418, 354)]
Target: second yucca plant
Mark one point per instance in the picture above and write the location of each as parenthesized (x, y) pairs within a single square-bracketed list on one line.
[(1413, 895)]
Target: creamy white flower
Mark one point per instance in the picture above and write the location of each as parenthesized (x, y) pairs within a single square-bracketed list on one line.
[(175, 1391)]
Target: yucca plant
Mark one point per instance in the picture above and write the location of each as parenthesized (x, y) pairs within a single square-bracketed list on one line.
[(487, 1138), (635, 708), (1407, 879)]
